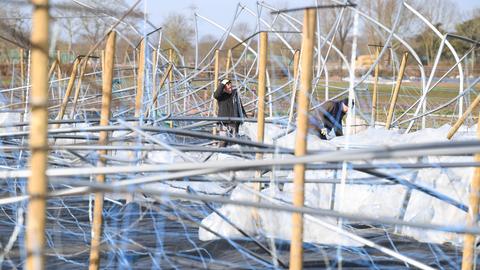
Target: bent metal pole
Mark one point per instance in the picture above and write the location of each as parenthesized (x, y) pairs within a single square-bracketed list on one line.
[(306, 61), (38, 181)]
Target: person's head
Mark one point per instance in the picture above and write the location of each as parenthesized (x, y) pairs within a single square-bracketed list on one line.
[(227, 85), (345, 104)]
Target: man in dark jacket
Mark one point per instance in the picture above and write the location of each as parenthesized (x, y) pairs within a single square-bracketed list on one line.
[(229, 105), (329, 119)]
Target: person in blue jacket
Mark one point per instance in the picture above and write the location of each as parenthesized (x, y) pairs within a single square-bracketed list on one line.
[(328, 123)]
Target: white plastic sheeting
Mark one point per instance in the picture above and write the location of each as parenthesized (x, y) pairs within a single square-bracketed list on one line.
[(369, 200)]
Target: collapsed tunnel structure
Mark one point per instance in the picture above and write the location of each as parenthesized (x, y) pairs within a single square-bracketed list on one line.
[(111, 161)]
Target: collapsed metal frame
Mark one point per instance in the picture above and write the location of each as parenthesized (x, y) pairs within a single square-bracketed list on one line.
[(189, 96)]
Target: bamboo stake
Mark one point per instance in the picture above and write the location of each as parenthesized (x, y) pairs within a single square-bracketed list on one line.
[(472, 216), (296, 58), (22, 75), (68, 92), (59, 74), (375, 88), (215, 79), (306, 61), (262, 75), (78, 86), (102, 61), (22, 66), (462, 119), (59, 56), (140, 80), (396, 90), (227, 65), (38, 181), (262, 78), (52, 69), (102, 140)]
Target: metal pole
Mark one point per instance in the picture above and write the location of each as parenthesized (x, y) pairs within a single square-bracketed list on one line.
[(154, 75), (306, 61), (375, 88), (155, 92), (102, 140), (140, 80), (296, 58), (171, 59), (71, 82), (227, 65), (38, 181), (472, 216), (396, 90), (214, 86), (464, 116)]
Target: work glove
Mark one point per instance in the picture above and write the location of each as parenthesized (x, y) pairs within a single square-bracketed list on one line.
[(323, 131)]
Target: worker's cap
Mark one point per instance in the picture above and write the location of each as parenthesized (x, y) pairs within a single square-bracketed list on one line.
[(345, 101), (225, 81)]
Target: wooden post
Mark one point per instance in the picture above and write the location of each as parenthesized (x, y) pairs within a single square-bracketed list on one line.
[(215, 79), (464, 116), (52, 69), (227, 64), (22, 67), (102, 140), (78, 86), (22, 76), (375, 88), (102, 61), (472, 216), (59, 74), (308, 41), (140, 80), (296, 59), (262, 85), (38, 181), (71, 82), (396, 90), (59, 57)]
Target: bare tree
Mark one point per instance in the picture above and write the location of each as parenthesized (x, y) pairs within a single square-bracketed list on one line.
[(179, 31), (341, 22), (385, 12), (14, 28), (443, 15)]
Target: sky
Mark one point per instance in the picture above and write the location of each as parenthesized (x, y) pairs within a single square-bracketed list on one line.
[(221, 11)]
